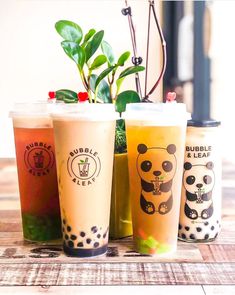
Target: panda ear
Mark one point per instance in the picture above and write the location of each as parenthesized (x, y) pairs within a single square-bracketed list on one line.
[(171, 148), (209, 165), (142, 148), (187, 166)]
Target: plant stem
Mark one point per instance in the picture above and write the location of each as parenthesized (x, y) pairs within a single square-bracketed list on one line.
[(83, 78), (111, 85)]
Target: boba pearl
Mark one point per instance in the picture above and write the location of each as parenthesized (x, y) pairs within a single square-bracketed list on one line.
[(206, 223), (68, 228), (187, 228), (88, 241), (70, 244), (206, 237), (198, 229), (73, 237), (66, 237), (64, 222), (104, 235), (183, 236), (98, 236), (96, 244), (192, 236), (94, 229), (212, 228), (180, 226), (82, 234), (80, 244)]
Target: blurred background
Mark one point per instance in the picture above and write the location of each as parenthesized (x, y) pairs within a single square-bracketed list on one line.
[(33, 63)]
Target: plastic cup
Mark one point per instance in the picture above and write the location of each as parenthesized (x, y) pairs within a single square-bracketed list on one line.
[(84, 138), (200, 213), (155, 144), (35, 157)]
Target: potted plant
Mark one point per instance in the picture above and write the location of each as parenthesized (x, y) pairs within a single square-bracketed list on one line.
[(91, 52)]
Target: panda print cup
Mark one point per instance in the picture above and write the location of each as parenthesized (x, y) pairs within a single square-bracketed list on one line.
[(155, 144), (200, 214)]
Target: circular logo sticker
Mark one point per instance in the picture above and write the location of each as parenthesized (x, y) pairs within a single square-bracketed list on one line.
[(83, 166), (39, 158)]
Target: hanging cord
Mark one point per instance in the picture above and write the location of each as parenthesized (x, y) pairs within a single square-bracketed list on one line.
[(136, 60), (164, 55), (147, 56)]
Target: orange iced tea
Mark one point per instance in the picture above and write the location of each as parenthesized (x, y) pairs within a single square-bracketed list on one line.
[(155, 160)]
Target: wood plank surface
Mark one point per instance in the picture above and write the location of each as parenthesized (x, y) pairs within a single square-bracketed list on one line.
[(119, 251), (117, 290), (104, 290), (28, 274)]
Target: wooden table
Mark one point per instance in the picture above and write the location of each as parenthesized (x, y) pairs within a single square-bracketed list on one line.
[(27, 268)]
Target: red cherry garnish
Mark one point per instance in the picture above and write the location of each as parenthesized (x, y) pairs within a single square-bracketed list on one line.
[(171, 96), (52, 94), (82, 96)]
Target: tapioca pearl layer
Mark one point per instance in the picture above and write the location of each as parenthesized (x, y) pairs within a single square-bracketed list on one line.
[(96, 237), (203, 232)]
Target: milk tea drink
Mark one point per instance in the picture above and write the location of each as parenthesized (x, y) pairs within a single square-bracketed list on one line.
[(155, 144), (35, 156), (84, 139), (200, 214)]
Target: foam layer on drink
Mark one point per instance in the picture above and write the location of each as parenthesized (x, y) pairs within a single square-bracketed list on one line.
[(156, 114)]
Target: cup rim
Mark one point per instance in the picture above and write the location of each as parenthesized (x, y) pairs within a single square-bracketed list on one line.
[(84, 111)]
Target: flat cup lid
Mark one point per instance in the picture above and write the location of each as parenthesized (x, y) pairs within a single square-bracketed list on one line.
[(160, 114), (31, 109), (84, 111)]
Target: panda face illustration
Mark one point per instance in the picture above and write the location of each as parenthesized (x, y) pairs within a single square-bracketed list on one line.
[(156, 163), (198, 178)]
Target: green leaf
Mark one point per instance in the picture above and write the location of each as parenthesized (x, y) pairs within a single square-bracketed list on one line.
[(103, 75), (123, 58), (103, 89), (99, 61), (89, 35), (66, 95), (70, 31), (75, 52), (94, 44), (120, 137), (124, 98), (108, 52), (119, 83), (131, 70)]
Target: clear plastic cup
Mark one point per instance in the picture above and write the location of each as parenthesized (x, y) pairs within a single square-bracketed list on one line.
[(35, 156), (84, 139), (155, 145)]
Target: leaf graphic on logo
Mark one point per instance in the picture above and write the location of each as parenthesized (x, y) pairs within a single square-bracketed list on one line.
[(81, 161)]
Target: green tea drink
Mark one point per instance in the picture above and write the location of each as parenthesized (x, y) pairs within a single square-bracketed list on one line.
[(200, 214), (84, 139), (39, 197), (155, 145)]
